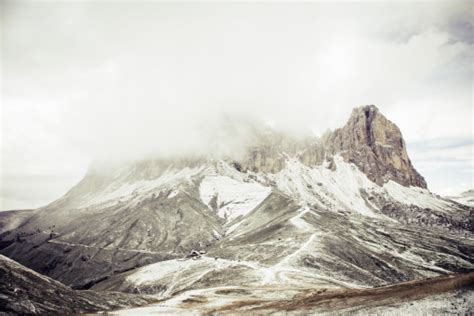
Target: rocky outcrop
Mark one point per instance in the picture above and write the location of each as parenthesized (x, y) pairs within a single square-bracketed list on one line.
[(376, 146)]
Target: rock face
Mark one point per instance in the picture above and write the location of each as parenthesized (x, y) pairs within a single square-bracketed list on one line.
[(376, 146), (269, 155)]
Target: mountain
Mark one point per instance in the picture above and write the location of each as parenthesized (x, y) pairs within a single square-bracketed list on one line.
[(376, 146), (347, 210)]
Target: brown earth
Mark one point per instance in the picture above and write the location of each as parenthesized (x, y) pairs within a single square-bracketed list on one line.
[(330, 300)]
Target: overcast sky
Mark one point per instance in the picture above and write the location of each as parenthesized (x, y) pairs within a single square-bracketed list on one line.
[(99, 80)]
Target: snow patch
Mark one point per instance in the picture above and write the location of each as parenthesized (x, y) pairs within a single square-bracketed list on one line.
[(414, 196), (173, 194), (233, 198), (299, 222), (339, 189)]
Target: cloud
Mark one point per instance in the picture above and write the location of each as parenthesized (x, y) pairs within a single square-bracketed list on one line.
[(446, 163), (84, 81)]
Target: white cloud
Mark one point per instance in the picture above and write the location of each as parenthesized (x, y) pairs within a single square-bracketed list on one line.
[(88, 80)]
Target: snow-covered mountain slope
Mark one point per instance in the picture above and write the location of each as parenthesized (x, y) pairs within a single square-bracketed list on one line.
[(328, 224), (288, 213), (231, 198)]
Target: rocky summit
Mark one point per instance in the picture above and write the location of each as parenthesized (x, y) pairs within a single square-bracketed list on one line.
[(291, 219), (376, 146)]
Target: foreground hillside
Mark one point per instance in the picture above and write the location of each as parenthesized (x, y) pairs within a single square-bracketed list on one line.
[(23, 291), (439, 295), (26, 292)]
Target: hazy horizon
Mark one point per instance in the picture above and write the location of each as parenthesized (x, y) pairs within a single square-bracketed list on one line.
[(83, 81)]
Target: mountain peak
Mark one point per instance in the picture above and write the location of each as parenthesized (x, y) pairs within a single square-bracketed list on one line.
[(376, 146), (366, 109)]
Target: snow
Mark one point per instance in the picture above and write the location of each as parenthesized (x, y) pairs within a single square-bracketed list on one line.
[(305, 247), (321, 186), (173, 194), (156, 271), (233, 227), (234, 198), (190, 270), (342, 189), (414, 196), (216, 234), (299, 222), (384, 145)]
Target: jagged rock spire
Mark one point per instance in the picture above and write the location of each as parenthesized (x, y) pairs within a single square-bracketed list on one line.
[(376, 146)]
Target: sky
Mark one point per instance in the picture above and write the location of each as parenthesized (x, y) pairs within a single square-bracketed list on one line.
[(104, 80)]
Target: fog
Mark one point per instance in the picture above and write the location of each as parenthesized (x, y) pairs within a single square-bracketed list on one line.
[(86, 81)]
